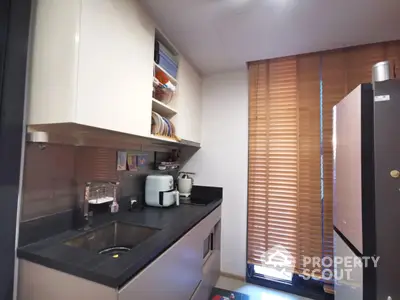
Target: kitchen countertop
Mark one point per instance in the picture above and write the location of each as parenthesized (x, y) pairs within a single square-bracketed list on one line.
[(173, 223)]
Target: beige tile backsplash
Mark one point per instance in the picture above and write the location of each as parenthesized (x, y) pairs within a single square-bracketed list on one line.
[(52, 176), (95, 164), (48, 185)]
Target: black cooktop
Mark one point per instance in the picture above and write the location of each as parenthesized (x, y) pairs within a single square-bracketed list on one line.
[(194, 201), (202, 195)]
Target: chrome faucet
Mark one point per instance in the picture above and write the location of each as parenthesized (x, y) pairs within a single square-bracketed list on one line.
[(82, 215), (97, 193), (87, 216)]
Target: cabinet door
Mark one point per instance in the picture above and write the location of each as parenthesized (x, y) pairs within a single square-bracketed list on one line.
[(178, 272), (115, 66), (211, 267), (347, 287), (54, 60), (188, 103), (172, 276)]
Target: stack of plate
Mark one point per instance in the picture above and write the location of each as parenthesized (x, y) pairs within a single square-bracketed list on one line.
[(162, 126)]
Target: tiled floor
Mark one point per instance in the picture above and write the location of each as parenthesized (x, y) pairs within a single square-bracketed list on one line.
[(254, 291)]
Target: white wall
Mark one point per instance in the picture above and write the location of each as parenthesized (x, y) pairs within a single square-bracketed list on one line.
[(222, 159)]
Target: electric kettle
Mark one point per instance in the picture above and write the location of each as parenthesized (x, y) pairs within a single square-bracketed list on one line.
[(185, 184)]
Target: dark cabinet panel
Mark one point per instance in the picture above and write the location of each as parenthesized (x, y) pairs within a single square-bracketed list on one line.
[(14, 32), (387, 204), (4, 16)]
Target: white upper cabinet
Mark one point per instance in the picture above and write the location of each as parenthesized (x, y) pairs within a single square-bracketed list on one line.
[(54, 55), (187, 102), (92, 64)]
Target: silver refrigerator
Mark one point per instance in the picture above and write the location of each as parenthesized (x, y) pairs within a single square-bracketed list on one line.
[(366, 197)]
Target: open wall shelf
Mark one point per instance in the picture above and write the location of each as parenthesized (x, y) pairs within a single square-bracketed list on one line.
[(163, 109), (171, 78), (164, 138)]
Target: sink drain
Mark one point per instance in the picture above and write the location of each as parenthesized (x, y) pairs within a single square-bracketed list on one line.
[(111, 251)]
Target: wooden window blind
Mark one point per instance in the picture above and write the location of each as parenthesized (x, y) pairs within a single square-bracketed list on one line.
[(284, 196), (393, 55), (258, 164), (288, 204), (309, 226)]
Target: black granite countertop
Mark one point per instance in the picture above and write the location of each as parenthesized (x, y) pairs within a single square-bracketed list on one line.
[(173, 223)]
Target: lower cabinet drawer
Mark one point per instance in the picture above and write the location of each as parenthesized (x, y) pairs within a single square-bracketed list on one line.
[(211, 271), (172, 276), (182, 272), (202, 292)]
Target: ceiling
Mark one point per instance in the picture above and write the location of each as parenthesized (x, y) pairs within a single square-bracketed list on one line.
[(222, 35)]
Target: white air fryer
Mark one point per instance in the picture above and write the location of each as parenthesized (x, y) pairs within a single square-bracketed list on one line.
[(160, 191)]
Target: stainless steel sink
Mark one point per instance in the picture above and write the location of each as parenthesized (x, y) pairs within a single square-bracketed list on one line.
[(112, 239)]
